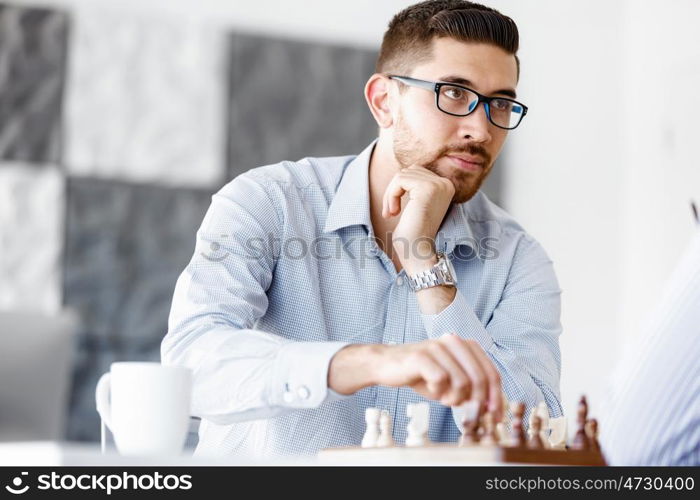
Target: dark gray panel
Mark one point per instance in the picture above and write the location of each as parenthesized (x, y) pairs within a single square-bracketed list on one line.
[(125, 247), (32, 68), (291, 99)]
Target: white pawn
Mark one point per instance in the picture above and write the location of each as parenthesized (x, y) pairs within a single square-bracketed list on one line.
[(502, 426), (543, 412), (369, 440), (557, 438), (502, 434), (385, 439), (417, 428)]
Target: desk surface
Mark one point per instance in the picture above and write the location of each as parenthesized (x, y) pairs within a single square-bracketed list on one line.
[(56, 454), (52, 453)]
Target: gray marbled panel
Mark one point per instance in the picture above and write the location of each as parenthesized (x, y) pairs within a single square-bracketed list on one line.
[(31, 237), (146, 98), (291, 99), (125, 247), (32, 68)]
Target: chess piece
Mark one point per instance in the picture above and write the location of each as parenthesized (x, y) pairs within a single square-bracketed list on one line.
[(517, 433), (502, 434), (558, 432), (581, 441), (417, 428), (592, 433), (385, 438), (530, 422), (470, 423), (543, 413), (489, 437), (371, 436), (503, 426), (535, 442)]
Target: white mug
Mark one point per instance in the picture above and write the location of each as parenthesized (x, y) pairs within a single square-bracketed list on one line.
[(146, 406)]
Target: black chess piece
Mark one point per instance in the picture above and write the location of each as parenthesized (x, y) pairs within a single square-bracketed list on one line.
[(581, 441), (592, 433), (470, 433)]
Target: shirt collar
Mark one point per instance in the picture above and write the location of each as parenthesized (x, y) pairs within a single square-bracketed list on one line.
[(350, 206), (455, 229)]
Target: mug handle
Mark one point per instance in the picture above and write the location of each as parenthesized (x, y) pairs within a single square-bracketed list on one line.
[(104, 407)]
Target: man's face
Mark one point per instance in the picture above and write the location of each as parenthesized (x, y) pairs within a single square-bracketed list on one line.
[(424, 135)]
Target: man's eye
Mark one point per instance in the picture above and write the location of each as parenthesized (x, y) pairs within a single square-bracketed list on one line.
[(454, 93), (501, 104)]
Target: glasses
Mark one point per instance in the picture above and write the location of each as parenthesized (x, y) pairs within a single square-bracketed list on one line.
[(458, 100)]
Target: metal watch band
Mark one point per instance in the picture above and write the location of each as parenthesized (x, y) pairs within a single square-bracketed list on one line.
[(425, 279), (439, 274)]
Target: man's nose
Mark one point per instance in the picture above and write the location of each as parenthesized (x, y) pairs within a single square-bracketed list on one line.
[(476, 125)]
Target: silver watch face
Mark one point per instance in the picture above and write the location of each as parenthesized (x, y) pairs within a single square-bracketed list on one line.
[(452, 270), (447, 269), (441, 273)]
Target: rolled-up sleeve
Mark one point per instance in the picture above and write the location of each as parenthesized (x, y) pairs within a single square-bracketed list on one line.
[(522, 335), (240, 373)]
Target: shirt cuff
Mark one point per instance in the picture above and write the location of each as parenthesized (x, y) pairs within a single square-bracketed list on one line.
[(301, 375), (458, 318)]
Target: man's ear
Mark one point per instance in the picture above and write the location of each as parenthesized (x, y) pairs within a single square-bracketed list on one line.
[(377, 96)]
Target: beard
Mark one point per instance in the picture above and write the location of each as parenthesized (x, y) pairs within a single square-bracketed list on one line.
[(410, 150)]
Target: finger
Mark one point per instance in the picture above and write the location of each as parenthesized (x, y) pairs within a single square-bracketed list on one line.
[(470, 364), (435, 376), (385, 200), (495, 404), (459, 389), (399, 185), (392, 197), (406, 181), (422, 388), (395, 202)]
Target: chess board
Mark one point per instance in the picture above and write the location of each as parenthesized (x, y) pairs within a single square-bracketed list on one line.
[(482, 442)]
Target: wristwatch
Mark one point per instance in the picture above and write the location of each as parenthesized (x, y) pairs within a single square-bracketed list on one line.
[(441, 273)]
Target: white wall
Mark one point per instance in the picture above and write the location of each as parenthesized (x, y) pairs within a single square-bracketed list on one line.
[(662, 132), (601, 172)]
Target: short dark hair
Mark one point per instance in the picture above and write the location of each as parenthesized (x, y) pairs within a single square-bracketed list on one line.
[(408, 39)]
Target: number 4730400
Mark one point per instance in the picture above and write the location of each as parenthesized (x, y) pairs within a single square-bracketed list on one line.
[(659, 483)]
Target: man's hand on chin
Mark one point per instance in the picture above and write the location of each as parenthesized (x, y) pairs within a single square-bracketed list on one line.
[(429, 198)]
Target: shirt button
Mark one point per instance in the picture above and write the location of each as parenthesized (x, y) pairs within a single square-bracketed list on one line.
[(303, 392), (399, 281), (288, 397)]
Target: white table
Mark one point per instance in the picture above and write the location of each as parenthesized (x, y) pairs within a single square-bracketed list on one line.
[(52, 454)]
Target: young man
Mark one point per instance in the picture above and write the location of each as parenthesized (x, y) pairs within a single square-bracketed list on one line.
[(322, 287)]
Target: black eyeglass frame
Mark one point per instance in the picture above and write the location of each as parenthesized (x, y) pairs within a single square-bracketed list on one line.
[(436, 86)]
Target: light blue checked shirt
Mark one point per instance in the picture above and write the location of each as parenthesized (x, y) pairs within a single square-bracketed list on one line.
[(286, 272)]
